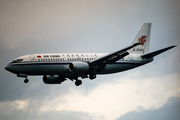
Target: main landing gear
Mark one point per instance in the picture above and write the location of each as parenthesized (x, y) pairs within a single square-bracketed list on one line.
[(79, 82), (92, 76)]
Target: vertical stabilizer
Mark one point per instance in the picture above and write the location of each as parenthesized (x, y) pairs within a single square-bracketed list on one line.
[(142, 37)]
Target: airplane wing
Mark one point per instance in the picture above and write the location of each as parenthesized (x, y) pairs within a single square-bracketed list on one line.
[(113, 57)]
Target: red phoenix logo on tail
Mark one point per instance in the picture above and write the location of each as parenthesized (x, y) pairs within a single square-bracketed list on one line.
[(142, 40)]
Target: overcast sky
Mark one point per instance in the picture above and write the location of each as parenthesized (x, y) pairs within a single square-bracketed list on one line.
[(90, 26)]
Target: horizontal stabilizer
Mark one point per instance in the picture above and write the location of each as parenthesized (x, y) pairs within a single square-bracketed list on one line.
[(151, 55)]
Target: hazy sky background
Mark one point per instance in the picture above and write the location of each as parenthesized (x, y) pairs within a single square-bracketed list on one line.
[(89, 26)]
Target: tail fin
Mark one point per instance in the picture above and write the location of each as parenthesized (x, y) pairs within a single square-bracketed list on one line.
[(142, 37)]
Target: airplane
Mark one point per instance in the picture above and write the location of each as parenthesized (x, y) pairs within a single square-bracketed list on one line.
[(58, 67)]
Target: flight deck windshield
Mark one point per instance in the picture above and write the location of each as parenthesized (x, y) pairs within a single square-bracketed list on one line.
[(17, 60)]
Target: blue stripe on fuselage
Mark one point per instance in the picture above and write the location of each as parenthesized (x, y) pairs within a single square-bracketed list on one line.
[(67, 63)]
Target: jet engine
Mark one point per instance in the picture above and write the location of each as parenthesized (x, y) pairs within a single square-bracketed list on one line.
[(53, 79), (82, 67)]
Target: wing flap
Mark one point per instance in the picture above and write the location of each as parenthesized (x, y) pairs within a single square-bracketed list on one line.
[(117, 57)]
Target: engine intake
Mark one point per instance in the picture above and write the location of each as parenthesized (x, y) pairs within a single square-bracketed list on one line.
[(79, 67), (53, 79)]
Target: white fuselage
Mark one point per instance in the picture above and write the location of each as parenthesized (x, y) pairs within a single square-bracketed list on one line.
[(58, 64)]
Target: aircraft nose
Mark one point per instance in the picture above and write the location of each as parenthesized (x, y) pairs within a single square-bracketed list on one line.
[(7, 68), (10, 68)]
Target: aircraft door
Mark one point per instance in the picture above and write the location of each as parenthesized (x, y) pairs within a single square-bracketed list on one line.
[(33, 60)]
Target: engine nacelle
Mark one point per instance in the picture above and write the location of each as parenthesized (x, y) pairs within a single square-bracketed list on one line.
[(79, 67), (53, 79)]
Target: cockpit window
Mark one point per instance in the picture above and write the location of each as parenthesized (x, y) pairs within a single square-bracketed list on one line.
[(17, 61)]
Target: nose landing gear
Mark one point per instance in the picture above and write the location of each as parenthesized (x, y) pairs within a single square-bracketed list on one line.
[(26, 80), (78, 82), (24, 76)]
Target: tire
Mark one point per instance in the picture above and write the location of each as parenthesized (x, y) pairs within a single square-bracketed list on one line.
[(78, 82)]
